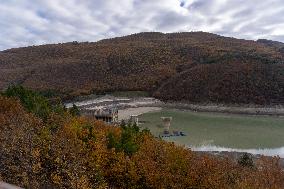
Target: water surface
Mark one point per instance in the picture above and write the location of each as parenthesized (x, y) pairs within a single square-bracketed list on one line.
[(221, 132)]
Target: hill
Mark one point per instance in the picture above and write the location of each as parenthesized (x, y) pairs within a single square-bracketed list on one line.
[(152, 62), (278, 45)]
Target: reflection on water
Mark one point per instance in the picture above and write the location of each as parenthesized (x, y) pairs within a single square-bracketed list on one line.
[(267, 151)]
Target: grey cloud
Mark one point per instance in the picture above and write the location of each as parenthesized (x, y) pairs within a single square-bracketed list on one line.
[(28, 22), (169, 21)]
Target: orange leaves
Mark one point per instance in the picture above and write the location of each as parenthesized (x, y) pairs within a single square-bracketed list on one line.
[(75, 155)]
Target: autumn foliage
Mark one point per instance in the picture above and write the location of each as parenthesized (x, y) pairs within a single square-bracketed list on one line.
[(151, 62), (231, 83), (67, 151)]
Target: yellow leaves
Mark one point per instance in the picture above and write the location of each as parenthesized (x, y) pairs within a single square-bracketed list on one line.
[(61, 158), (76, 122), (36, 153), (56, 178), (58, 160), (83, 183), (36, 168)]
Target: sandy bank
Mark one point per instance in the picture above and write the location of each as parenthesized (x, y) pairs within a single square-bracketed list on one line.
[(145, 104), (125, 114), (249, 110)]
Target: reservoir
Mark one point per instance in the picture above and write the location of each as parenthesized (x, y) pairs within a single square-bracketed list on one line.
[(205, 131), (221, 132)]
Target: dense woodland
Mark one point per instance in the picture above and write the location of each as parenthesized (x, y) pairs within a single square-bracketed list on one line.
[(153, 62), (229, 83), (43, 145)]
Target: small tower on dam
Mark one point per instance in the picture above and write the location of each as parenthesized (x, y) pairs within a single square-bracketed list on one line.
[(166, 123), (134, 119)]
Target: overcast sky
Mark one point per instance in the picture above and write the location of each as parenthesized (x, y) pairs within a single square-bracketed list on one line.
[(32, 22)]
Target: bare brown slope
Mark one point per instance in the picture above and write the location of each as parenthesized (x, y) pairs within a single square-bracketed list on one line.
[(137, 62)]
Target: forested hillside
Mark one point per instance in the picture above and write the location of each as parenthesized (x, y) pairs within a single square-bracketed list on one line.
[(153, 62), (227, 83)]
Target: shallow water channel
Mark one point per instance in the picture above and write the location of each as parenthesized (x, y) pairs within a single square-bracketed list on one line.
[(221, 132)]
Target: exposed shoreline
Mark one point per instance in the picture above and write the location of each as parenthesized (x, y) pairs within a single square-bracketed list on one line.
[(220, 108), (137, 102), (125, 114), (236, 155), (271, 152)]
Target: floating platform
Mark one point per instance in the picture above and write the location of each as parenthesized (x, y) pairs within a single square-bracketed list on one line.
[(175, 134)]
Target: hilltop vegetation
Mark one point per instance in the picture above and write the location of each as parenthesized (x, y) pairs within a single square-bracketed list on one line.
[(63, 150), (227, 83), (151, 62)]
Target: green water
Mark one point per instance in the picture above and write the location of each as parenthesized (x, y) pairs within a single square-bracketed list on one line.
[(232, 131)]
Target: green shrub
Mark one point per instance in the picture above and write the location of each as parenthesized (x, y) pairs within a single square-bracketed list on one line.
[(127, 141), (246, 160), (74, 110), (32, 101)]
